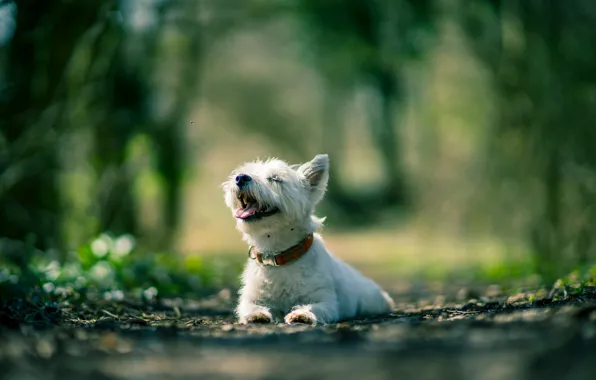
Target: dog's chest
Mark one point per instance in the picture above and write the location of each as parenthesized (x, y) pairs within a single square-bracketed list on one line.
[(285, 287)]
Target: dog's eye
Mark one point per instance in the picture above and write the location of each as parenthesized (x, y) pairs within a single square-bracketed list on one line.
[(274, 178)]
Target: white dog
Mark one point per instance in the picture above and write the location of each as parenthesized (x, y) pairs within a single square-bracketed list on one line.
[(290, 275)]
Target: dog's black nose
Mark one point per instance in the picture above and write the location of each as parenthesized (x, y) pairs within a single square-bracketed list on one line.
[(242, 179)]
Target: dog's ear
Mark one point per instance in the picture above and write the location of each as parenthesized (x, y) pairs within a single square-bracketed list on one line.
[(316, 174)]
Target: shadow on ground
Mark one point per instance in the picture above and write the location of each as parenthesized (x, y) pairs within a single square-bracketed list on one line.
[(493, 337)]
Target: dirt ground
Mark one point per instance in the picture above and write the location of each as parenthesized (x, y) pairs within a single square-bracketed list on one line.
[(490, 337)]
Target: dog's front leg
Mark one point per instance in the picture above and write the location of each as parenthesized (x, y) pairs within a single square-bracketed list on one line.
[(249, 312), (316, 313)]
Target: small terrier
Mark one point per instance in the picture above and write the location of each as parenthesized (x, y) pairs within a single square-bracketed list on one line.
[(290, 275)]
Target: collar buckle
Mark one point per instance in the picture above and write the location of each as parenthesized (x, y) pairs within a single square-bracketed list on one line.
[(268, 260), (260, 258)]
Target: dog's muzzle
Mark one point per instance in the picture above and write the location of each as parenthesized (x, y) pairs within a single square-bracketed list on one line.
[(250, 209)]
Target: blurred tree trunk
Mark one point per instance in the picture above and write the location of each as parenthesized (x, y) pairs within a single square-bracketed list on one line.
[(542, 19), (543, 71), (116, 108), (129, 101), (122, 96), (169, 129), (333, 137), (38, 56), (387, 38), (385, 136), (364, 44)]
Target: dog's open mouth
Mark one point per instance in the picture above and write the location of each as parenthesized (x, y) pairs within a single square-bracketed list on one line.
[(251, 210)]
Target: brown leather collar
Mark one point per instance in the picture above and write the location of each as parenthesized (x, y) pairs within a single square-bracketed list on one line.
[(285, 257)]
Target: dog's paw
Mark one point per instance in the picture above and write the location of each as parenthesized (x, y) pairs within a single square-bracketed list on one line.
[(301, 316), (258, 317)]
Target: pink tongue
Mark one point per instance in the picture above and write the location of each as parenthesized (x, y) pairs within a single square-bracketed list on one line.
[(245, 213)]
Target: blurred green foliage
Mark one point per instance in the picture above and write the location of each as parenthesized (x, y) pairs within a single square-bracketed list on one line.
[(111, 268), (93, 107)]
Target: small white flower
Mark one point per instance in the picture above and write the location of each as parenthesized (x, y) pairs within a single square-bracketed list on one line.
[(123, 245), (71, 270), (117, 295), (113, 295), (80, 282), (101, 246), (150, 293), (101, 270), (61, 291), (48, 287), (52, 271), (4, 275)]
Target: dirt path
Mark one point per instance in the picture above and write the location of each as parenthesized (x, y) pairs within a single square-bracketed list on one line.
[(496, 338)]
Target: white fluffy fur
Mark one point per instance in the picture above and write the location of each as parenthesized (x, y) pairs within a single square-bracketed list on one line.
[(318, 288)]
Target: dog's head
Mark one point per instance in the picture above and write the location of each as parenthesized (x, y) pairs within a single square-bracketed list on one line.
[(265, 195)]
